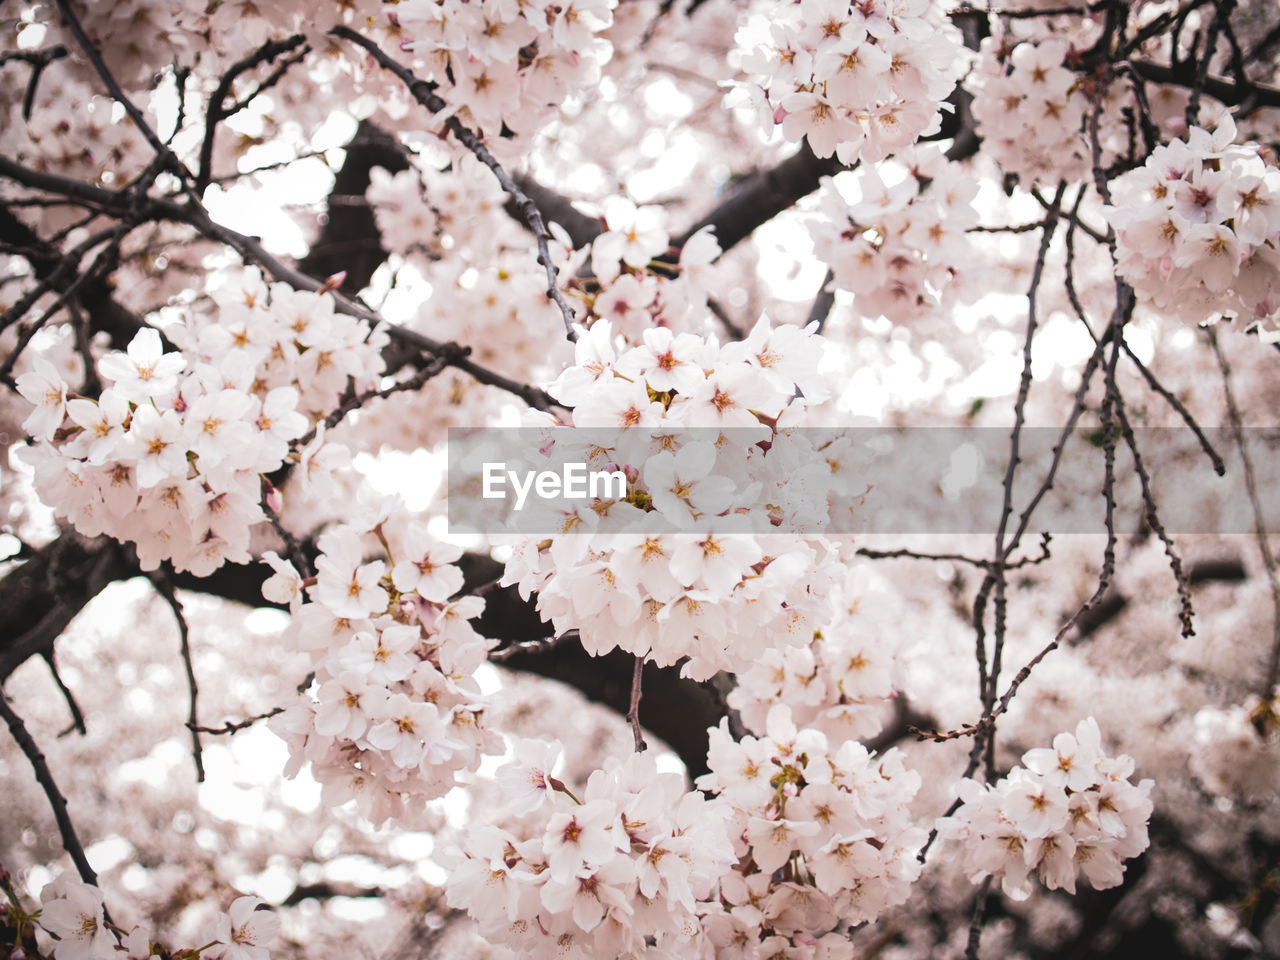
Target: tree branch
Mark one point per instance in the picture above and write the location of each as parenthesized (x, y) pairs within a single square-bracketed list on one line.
[(425, 94), (215, 113), (70, 841)]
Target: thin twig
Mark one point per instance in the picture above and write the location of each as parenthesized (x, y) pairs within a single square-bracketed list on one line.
[(425, 94), (77, 715), (291, 544), (1077, 409), (215, 113), (1222, 11), (975, 922), (903, 552), (1260, 523), (530, 647), (996, 573), (450, 355), (1072, 217), (979, 730), (1006, 699), (1186, 612), (1219, 467), (160, 580), (230, 728)]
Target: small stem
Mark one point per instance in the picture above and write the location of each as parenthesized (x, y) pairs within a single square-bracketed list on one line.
[(633, 715)]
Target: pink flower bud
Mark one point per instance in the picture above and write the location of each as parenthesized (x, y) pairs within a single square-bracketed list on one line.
[(333, 283), (271, 496)]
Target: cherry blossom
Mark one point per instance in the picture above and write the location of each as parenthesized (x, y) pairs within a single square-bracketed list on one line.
[(1035, 822)]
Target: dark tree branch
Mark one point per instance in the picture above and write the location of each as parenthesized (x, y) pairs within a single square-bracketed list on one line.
[(975, 922), (38, 60), (77, 716), (1222, 11), (252, 251), (1226, 569), (349, 242), (823, 302), (217, 112), (676, 710), (169, 160), (103, 264), (70, 840), (63, 576), (327, 890), (761, 196), (581, 228), (1250, 96), (41, 597)]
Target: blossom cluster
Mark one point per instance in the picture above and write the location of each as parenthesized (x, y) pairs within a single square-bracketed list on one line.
[(1235, 753), (503, 66), (632, 289), (424, 211), (861, 80), (839, 683), (1198, 230), (283, 337), (894, 234), (1031, 109), (72, 912), (394, 710), (171, 455), (69, 132), (632, 862), (1071, 810), (137, 37), (691, 562), (824, 838), (467, 277)]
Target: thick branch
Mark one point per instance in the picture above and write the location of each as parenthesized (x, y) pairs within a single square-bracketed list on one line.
[(761, 196), (349, 241), (39, 599), (1252, 95)]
